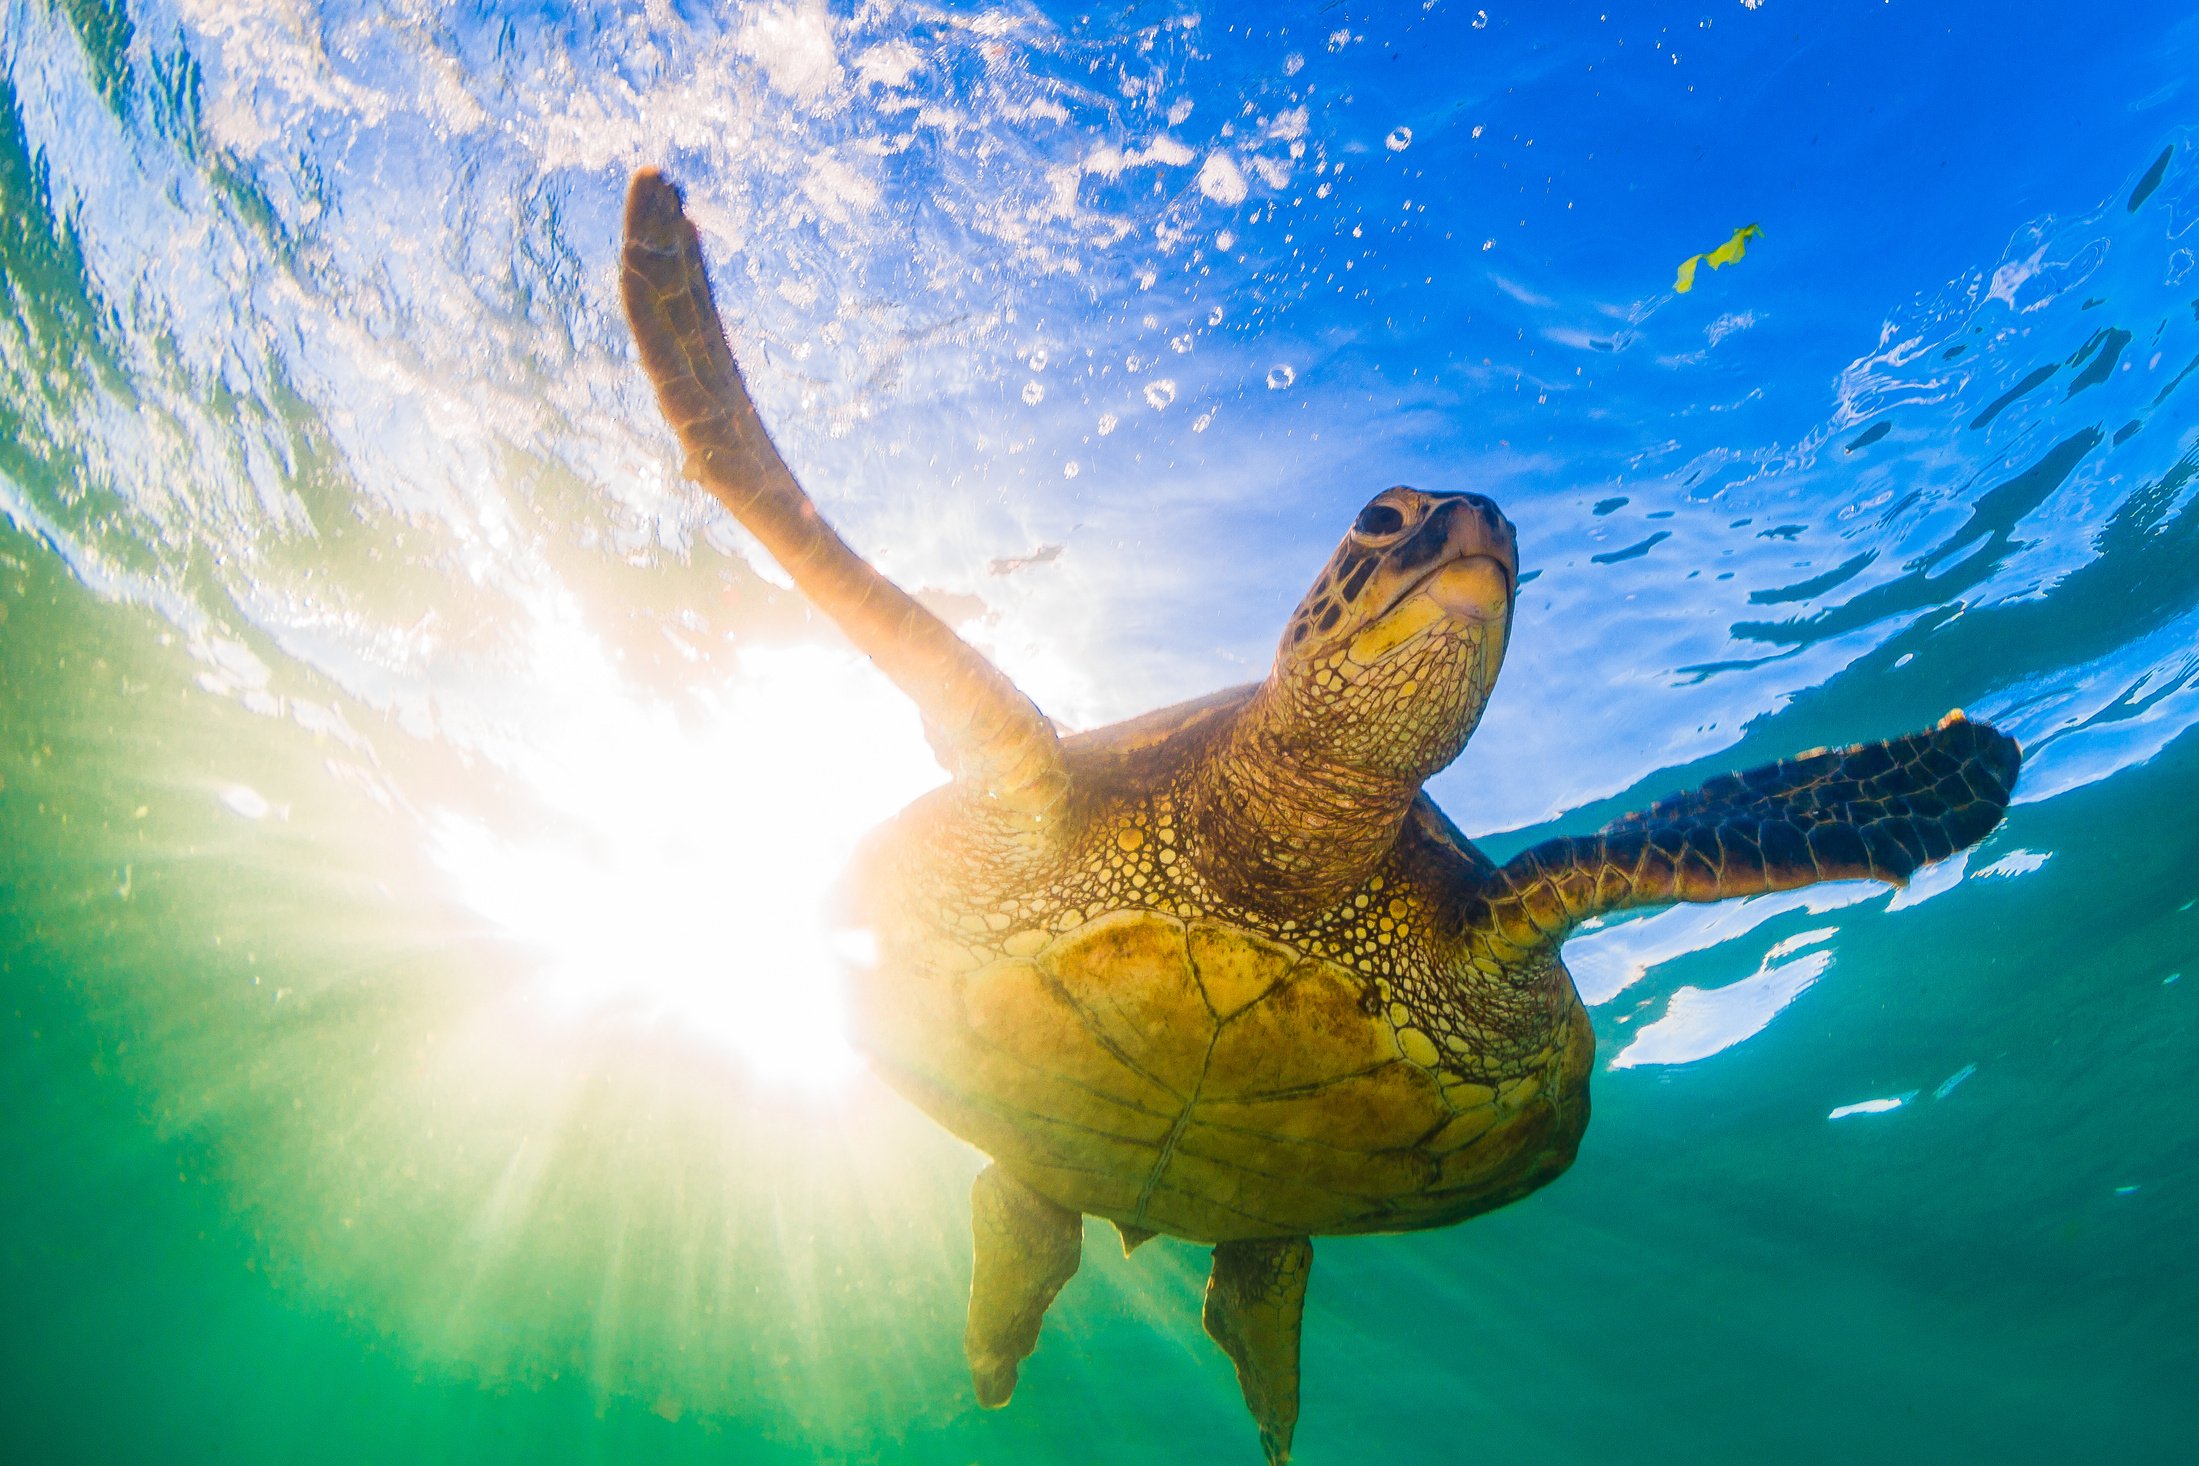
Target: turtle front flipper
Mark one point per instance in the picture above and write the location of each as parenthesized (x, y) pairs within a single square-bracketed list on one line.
[(1876, 811), (979, 723), (1255, 1301), (1027, 1248)]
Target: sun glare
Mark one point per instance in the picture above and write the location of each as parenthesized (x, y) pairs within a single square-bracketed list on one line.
[(689, 882)]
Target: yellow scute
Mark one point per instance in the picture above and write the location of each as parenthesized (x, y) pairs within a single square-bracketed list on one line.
[(1308, 1031), (1040, 1041), (1234, 967), (1464, 1129), (1203, 1198), (1498, 1154), (1128, 974), (1026, 943), (1390, 1108)]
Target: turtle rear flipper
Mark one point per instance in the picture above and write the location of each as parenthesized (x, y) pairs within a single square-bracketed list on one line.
[(979, 723), (1026, 1249), (1875, 811), (1255, 1302)]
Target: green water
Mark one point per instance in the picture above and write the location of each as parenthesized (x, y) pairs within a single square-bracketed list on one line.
[(336, 528), (236, 1231)]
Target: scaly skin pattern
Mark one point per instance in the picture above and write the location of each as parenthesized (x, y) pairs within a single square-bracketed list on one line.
[(1878, 810), (1135, 1045)]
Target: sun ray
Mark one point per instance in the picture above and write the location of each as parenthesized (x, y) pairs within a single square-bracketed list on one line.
[(683, 871)]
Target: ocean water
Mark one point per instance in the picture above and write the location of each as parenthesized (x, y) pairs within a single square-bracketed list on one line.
[(421, 1042)]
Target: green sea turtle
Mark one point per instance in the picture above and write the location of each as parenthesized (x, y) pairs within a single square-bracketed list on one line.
[(1223, 971)]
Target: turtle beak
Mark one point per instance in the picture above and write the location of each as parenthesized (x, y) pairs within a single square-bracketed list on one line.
[(1467, 555), (1474, 589)]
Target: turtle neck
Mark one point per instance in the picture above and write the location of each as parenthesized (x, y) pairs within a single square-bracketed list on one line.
[(1285, 825)]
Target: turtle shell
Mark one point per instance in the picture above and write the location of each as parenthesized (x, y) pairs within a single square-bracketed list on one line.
[(1198, 1077), (1132, 1045)]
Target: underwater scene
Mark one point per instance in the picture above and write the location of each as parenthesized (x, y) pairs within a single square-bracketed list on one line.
[(433, 1029)]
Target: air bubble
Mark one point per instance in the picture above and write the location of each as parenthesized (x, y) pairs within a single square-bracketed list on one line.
[(1159, 394), (1400, 138), (1280, 376), (1033, 394)]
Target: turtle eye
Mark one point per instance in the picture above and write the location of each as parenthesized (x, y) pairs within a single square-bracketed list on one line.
[(1377, 520)]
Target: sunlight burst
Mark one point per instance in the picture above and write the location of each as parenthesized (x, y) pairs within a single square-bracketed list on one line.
[(689, 880)]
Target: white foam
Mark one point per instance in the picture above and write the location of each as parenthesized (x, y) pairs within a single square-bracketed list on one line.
[(1868, 1107), (794, 46), (1220, 180)]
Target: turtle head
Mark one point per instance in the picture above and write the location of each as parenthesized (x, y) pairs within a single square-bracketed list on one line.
[(1387, 663)]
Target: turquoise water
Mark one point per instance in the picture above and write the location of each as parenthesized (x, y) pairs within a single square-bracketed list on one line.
[(416, 807)]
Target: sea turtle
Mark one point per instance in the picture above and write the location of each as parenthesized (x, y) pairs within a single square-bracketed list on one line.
[(1223, 971)]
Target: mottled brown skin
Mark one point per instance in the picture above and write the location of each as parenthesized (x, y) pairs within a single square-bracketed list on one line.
[(1224, 972)]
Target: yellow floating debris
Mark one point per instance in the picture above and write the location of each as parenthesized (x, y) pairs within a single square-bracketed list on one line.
[(1724, 254)]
